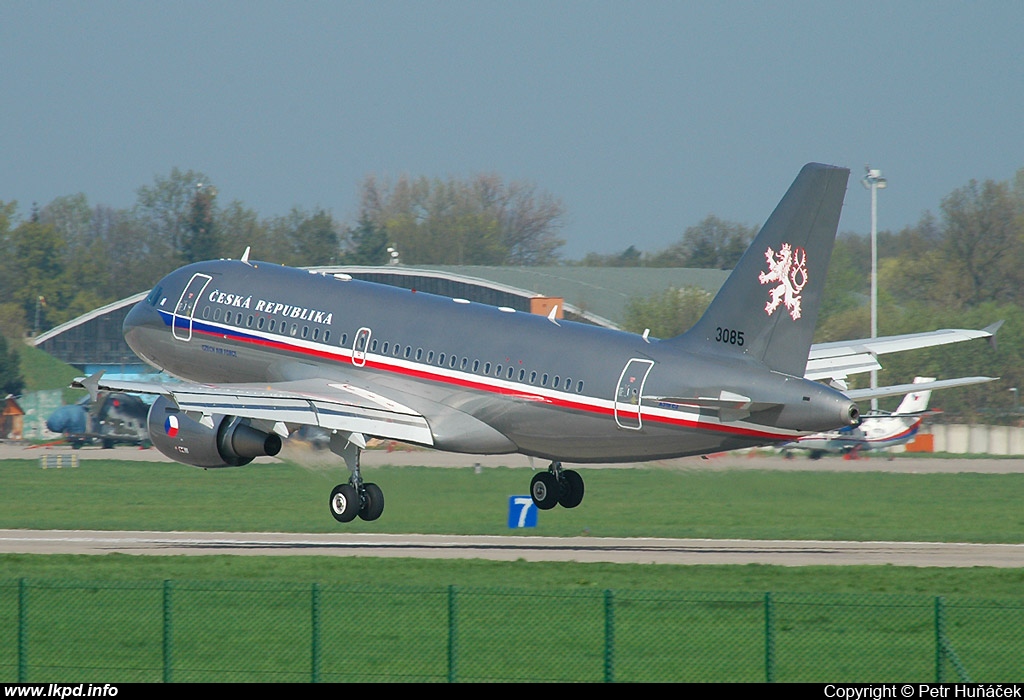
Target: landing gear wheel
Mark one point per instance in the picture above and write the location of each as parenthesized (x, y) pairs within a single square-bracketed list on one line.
[(572, 489), (345, 503), (544, 489), (373, 502)]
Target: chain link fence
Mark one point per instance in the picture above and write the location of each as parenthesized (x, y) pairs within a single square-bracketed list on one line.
[(213, 631)]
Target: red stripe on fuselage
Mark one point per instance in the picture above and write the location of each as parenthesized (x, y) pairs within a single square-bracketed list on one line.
[(477, 385)]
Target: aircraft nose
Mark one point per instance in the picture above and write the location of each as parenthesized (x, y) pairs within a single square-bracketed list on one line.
[(141, 316), (138, 316)]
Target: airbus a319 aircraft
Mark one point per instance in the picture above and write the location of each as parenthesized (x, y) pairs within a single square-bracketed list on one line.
[(264, 349)]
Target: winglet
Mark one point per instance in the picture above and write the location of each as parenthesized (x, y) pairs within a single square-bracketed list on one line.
[(90, 384), (991, 329)]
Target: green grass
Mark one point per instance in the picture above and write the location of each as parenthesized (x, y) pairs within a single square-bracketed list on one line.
[(619, 502), (102, 618), (43, 371), (202, 631), (962, 507), (981, 582)]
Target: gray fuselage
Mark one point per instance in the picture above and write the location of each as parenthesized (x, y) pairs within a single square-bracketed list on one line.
[(487, 380)]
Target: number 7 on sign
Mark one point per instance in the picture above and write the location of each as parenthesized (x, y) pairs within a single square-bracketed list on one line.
[(522, 512)]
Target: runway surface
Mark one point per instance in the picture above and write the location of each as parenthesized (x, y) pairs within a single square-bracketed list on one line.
[(510, 548)]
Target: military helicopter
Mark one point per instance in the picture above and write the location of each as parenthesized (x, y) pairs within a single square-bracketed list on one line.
[(114, 418)]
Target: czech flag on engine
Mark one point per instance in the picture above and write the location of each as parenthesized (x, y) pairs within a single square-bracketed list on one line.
[(171, 426)]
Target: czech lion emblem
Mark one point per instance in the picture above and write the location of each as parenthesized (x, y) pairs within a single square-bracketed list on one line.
[(788, 267)]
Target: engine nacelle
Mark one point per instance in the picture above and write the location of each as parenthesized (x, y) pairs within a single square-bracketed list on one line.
[(231, 442)]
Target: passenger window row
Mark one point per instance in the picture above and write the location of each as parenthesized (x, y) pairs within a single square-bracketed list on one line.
[(429, 357), (463, 363), (272, 325)]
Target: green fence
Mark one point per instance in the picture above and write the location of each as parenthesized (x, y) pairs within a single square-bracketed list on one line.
[(210, 631)]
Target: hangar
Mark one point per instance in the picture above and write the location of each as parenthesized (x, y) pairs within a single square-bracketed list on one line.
[(598, 295)]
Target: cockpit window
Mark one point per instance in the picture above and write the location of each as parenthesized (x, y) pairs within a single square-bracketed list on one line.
[(154, 295)]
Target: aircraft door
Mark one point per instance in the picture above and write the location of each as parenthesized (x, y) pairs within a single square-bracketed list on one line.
[(628, 393), (181, 323), (359, 345)]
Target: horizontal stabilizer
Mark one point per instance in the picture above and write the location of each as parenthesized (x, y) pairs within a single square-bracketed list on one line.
[(901, 389), (841, 358)]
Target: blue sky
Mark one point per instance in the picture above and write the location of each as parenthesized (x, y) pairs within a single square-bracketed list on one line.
[(642, 117)]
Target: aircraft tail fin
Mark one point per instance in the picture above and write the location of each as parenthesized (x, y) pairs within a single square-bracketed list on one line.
[(768, 307), (915, 401)]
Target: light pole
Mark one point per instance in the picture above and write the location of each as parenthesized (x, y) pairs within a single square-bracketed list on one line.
[(874, 181)]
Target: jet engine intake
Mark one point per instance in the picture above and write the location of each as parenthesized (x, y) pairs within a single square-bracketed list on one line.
[(231, 442)]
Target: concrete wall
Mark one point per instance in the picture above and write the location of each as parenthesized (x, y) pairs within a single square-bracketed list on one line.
[(978, 439)]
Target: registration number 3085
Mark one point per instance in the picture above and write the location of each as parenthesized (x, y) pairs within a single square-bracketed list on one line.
[(729, 336)]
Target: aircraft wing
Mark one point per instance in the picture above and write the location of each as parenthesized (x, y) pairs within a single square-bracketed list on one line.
[(839, 359), (902, 389), (333, 405)]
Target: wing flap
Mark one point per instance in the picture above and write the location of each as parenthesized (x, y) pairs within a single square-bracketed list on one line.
[(333, 406)]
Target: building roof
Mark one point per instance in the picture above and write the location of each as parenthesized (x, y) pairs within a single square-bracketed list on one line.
[(603, 291), (11, 407)]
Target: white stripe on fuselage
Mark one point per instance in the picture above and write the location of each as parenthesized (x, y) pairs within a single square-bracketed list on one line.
[(681, 415)]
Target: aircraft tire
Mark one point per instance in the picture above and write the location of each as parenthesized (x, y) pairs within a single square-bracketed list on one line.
[(373, 502), (572, 489), (544, 490), (345, 503)]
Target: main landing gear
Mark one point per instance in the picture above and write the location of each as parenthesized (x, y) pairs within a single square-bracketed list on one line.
[(557, 486), (356, 498)]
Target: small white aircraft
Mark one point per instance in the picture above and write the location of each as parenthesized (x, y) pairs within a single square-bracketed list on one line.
[(879, 431)]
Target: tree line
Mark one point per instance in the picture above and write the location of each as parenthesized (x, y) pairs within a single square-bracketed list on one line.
[(68, 256), (960, 267)]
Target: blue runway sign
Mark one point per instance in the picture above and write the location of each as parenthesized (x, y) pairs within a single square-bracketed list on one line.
[(522, 512)]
